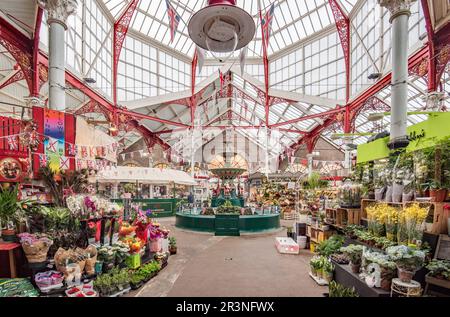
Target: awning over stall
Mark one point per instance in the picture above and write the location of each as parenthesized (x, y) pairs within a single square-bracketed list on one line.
[(145, 175)]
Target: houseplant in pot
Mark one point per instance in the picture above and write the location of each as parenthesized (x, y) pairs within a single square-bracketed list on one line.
[(327, 271), (387, 269), (408, 260), (11, 212), (354, 253), (439, 269), (172, 245)]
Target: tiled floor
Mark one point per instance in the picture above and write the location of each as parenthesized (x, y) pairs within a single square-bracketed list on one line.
[(249, 265)]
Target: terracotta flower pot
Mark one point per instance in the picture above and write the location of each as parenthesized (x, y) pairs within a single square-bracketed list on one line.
[(355, 267), (439, 195), (405, 275)]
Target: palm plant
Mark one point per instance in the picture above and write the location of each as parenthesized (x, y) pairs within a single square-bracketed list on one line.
[(12, 210), (70, 181)]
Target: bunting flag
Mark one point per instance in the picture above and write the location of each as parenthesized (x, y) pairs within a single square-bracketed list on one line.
[(52, 144), (266, 25), (79, 165), (92, 151), (43, 160), (242, 57), (12, 142), (73, 150), (64, 163), (174, 20), (90, 164), (84, 152), (222, 80)]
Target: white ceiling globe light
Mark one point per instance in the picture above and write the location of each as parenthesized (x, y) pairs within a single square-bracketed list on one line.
[(221, 27)]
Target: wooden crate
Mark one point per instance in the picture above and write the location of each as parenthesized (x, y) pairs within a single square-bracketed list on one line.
[(364, 204), (341, 217), (318, 235), (437, 213), (330, 215), (353, 216)]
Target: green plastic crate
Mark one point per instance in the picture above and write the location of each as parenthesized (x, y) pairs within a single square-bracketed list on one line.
[(133, 261)]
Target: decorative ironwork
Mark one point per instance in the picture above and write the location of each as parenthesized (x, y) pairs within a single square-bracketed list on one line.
[(120, 32), (343, 28), (18, 75)]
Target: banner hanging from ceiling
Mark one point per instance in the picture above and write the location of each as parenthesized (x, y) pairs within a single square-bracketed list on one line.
[(55, 140)]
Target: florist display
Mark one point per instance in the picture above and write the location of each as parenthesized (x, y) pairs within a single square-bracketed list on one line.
[(35, 246), (411, 224), (111, 256), (172, 245), (354, 253), (144, 274), (408, 260), (349, 195), (112, 283), (387, 269), (439, 269), (322, 268), (12, 212)]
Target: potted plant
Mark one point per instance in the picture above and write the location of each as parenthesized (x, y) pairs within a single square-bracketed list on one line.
[(438, 192), (172, 245), (315, 265), (327, 271), (386, 265), (11, 212), (338, 290), (408, 260), (439, 269), (354, 253)]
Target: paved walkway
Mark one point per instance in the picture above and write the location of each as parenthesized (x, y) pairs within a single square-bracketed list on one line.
[(249, 265)]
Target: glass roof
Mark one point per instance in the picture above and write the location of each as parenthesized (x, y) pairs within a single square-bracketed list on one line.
[(293, 20), (306, 60)]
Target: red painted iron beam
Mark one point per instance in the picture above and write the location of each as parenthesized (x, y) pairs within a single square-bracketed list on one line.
[(120, 32), (343, 28), (35, 68)]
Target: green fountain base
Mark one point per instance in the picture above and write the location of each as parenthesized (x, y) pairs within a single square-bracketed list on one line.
[(246, 224)]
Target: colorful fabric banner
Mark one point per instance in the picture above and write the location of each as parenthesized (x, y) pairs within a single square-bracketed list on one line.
[(54, 144)]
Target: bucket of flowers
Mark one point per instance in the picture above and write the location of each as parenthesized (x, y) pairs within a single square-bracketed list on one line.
[(35, 246)]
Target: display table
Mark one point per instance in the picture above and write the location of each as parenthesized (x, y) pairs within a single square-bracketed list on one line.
[(344, 275), (10, 247)]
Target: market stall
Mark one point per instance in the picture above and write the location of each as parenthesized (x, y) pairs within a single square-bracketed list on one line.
[(130, 181)]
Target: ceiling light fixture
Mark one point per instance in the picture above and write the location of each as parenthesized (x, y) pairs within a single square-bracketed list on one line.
[(221, 27)]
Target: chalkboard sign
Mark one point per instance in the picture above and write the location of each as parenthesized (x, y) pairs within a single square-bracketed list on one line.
[(443, 248)]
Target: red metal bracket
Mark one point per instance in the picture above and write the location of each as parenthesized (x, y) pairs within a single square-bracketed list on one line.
[(120, 32), (343, 28)]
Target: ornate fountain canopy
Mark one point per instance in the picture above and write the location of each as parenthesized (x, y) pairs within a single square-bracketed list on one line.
[(227, 171)]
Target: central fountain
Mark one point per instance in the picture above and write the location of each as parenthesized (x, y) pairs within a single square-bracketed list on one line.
[(228, 213)]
